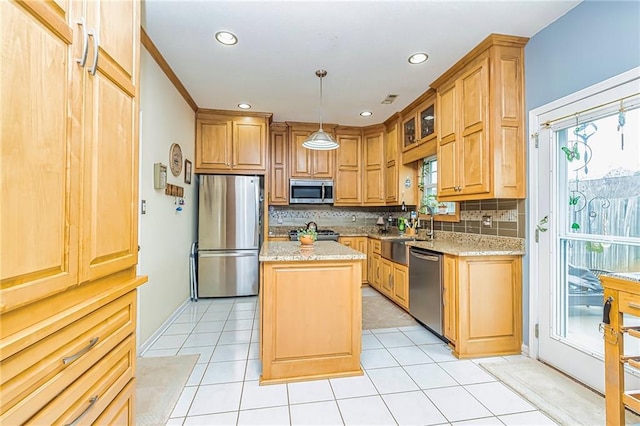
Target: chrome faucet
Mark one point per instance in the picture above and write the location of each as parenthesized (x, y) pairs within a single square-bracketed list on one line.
[(430, 232)]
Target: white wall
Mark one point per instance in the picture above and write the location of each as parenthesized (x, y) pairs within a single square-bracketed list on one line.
[(165, 235)]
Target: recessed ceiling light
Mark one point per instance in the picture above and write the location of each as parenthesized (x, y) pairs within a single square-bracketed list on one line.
[(244, 106), (225, 37), (366, 113), (418, 58)]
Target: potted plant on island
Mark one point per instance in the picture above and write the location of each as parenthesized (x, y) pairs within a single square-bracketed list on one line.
[(307, 236)]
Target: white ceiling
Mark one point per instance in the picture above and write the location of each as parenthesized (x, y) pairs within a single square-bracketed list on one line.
[(364, 46)]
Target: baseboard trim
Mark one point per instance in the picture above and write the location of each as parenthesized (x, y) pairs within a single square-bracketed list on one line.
[(525, 350), (151, 340)]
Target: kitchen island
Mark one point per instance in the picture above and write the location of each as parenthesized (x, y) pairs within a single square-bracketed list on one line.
[(310, 311)]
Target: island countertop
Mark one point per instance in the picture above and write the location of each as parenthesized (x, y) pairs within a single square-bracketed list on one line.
[(290, 251)]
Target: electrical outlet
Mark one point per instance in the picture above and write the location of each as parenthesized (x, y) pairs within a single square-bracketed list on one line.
[(353, 218), (487, 221)]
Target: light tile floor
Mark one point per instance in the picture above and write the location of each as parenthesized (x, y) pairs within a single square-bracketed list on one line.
[(410, 378)]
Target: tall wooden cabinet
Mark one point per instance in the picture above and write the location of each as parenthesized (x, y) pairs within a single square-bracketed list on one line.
[(278, 165), (374, 166), (348, 181), (400, 183), (231, 143), (69, 208), (480, 121)]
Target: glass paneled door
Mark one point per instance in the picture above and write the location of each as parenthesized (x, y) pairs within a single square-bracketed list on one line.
[(586, 217)]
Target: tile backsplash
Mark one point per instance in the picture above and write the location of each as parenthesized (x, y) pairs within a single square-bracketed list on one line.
[(508, 217)]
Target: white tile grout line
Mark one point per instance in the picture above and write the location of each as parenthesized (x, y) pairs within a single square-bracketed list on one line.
[(386, 330)]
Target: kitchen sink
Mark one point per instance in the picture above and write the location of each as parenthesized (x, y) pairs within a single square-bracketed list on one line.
[(395, 249)]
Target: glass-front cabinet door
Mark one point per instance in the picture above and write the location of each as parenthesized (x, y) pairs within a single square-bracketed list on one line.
[(419, 124), (427, 121), (409, 132)]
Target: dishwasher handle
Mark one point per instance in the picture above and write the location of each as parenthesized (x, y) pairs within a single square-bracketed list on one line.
[(428, 257)]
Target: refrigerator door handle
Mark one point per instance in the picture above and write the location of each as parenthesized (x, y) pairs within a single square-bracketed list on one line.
[(226, 254), (255, 234)]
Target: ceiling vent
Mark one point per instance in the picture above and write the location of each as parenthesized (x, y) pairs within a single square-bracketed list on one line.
[(389, 99)]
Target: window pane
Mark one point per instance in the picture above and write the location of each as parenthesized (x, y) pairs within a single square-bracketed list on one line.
[(602, 176)]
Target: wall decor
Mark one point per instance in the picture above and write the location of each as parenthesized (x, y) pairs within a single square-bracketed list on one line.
[(175, 159), (187, 172)]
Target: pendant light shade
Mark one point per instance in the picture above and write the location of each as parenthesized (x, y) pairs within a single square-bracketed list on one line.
[(320, 140)]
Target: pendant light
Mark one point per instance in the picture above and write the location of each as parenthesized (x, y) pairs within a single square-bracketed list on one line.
[(320, 140)]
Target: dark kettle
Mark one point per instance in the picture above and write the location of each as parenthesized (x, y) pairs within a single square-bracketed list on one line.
[(311, 226)]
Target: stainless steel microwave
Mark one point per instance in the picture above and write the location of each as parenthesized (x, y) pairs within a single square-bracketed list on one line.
[(311, 191)]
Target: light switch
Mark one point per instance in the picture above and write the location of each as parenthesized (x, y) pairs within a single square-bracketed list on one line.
[(143, 207)]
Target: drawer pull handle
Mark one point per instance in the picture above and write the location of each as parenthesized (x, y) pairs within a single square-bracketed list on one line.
[(634, 305), (92, 401), (70, 359)]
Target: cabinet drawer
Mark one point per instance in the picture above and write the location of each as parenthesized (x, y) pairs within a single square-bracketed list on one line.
[(34, 376), (628, 303), (86, 398), (375, 246), (120, 411)]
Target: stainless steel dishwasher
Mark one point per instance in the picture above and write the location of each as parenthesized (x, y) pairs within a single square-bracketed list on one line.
[(425, 288)]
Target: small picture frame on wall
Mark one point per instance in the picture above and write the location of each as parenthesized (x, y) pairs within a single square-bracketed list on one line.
[(187, 172)]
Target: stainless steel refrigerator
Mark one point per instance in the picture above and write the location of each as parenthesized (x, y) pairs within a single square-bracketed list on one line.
[(229, 236)]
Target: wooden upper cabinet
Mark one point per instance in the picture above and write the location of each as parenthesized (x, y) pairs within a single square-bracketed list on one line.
[(348, 182), (110, 141), (419, 128), (400, 183), (40, 173), (75, 174), (227, 142), (480, 122), (374, 167), (213, 144), (279, 166), (391, 163), (307, 163)]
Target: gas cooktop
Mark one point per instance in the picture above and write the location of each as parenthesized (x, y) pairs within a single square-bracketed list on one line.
[(323, 235)]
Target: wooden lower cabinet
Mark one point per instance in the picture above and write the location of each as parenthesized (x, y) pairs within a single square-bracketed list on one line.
[(483, 305), (450, 302), (310, 320), (386, 276), (400, 285), (360, 244), (121, 411), (374, 263), (69, 355), (394, 282)]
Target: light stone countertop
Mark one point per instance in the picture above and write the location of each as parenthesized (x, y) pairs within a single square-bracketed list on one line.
[(454, 243), (466, 249), (290, 251)]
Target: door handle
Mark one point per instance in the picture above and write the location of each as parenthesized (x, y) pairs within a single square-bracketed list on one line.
[(201, 254), (85, 43), (257, 230), (428, 257), (96, 45), (70, 359)]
